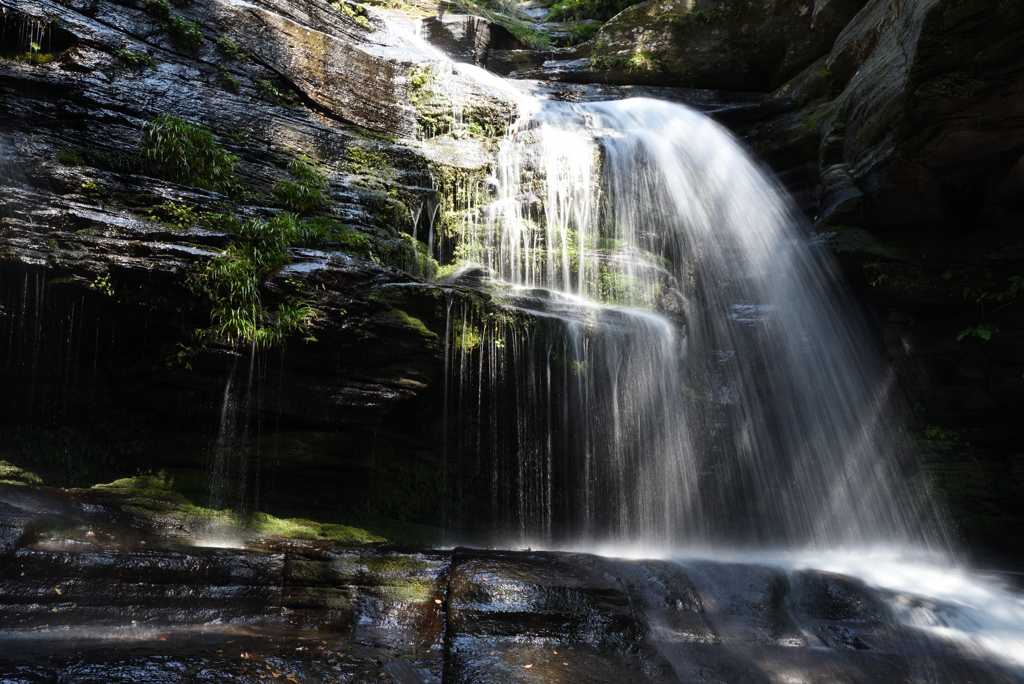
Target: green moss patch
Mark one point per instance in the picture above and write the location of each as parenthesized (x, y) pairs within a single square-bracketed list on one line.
[(136, 60), (300, 528), (401, 319), (159, 494), (12, 474)]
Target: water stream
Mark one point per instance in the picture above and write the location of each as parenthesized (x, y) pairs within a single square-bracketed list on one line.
[(724, 387), (702, 381)]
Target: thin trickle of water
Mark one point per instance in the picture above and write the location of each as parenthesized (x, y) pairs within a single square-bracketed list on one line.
[(236, 452), (220, 466)]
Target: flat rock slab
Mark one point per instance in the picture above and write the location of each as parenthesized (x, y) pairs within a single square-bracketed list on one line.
[(95, 588)]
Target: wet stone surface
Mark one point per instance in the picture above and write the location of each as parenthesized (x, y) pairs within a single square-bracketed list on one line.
[(209, 655), (89, 593)]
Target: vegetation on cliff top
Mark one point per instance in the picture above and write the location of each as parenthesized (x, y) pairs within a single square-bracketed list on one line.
[(574, 10)]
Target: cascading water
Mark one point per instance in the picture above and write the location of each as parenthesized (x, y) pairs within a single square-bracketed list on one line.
[(755, 415), (680, 370), (691, 374)]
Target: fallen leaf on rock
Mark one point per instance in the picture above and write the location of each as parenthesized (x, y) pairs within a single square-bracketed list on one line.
[(58, 592)]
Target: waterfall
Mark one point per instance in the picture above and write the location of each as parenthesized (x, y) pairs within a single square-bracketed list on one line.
[(711, 380)]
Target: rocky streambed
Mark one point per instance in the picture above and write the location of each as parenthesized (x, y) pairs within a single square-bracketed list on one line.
[(105, 586)]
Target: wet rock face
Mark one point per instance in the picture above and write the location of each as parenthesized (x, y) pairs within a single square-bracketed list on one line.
[(77, 580), (469, 39), (101, 311), (736, 45), (86, 251), (334, 72)]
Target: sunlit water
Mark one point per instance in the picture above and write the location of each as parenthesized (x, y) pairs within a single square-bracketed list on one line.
[(979, 614), (732, 397), (773, 417), (732, 393)]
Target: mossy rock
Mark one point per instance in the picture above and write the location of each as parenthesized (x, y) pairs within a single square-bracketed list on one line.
[(12, 474)]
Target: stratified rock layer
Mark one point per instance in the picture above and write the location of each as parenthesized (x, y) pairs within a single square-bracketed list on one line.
[(132, 603)]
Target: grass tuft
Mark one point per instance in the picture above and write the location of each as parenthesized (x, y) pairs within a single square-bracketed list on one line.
[(184, 152)]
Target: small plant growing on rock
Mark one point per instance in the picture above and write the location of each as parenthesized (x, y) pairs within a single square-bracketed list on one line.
[(231, 284), (529, 35), (270, 92), (638, 61), (183, 216), (231, 82), (229, 49), (36, 57), (184, 152), (103, 283), (94, 190), (983, 331), (363, 162), (185, 34), (421, 81), (136, 60), (353, 12), (308, 192), (641, 61), (583, 33), (158, 8), (70, 157)]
